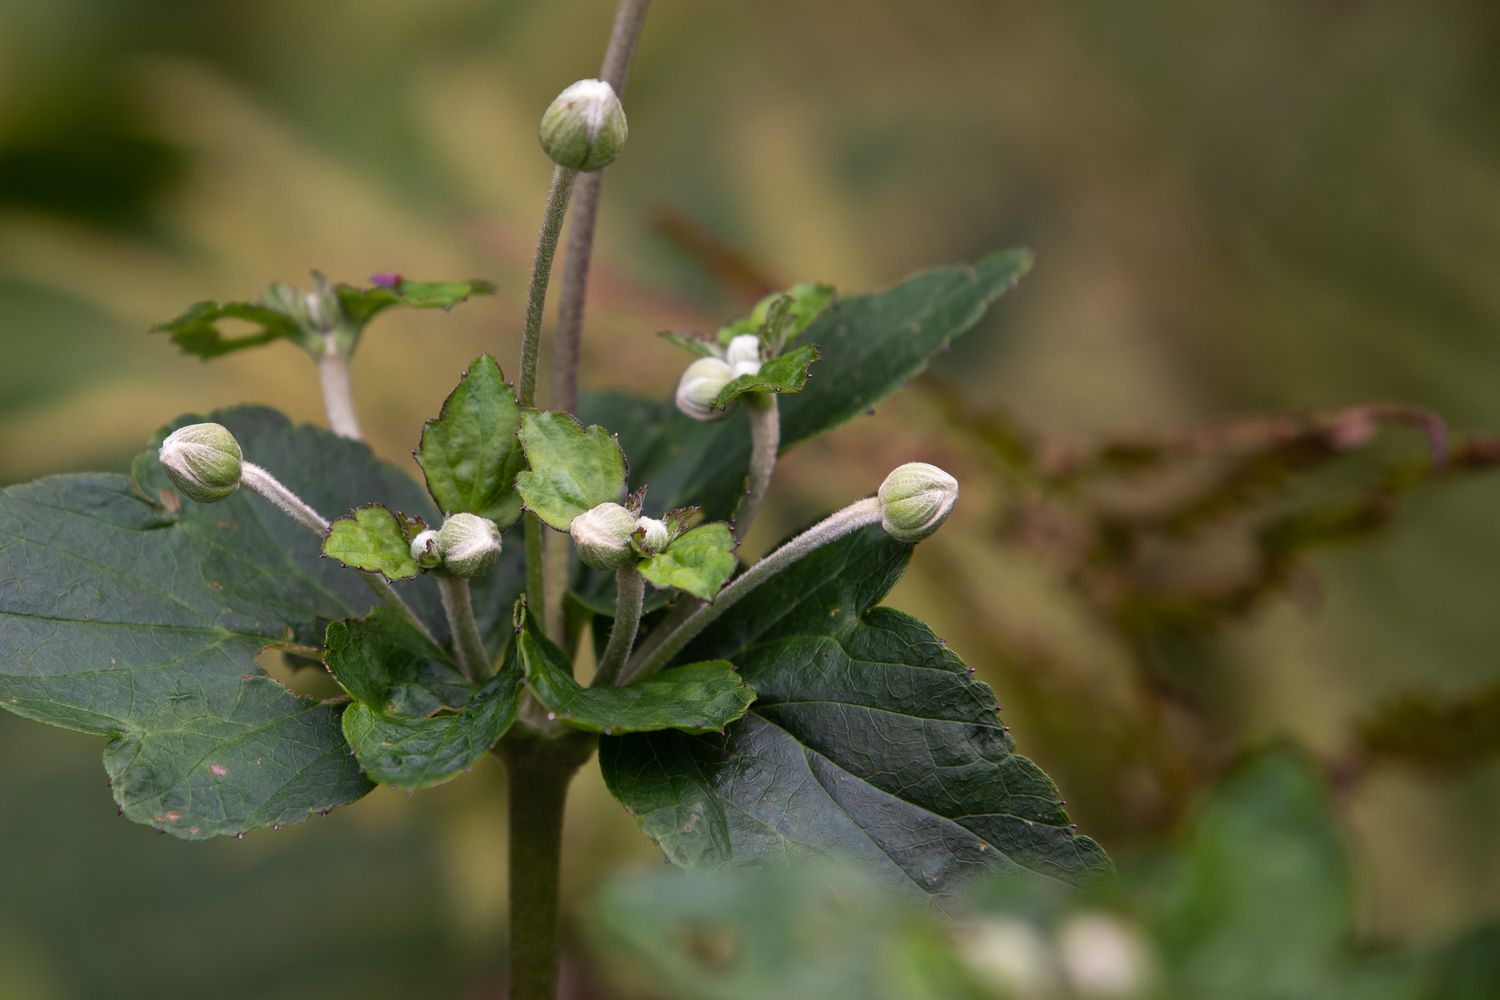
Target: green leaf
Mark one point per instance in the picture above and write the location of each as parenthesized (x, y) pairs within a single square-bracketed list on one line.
[(693, 698), (372, 538), (390, 666), (470, 453), (781, 317), (698, 561), (784, 373), (362, 304), (129, 613), (868, 738), (197, 332), (573, 469), (693, 343)]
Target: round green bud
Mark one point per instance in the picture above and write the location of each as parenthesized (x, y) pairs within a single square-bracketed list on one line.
[(584, 128), (653, 532), (203, 461), (700, 386), (469, 544), (424, 550), (743, 355), (602, 535), (915, 499)]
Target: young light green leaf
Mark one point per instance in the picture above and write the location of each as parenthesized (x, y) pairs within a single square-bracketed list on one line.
[(855, 704), (197, 331), (470, 454), (573, 469), (391, 667), (703, 347), (784, 373), (698, 561), (692, 698), (362, 304), (781, 317), (374, 539)]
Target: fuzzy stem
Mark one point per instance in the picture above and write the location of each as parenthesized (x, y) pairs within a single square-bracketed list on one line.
[(555, 559), (541, 273), (458, 605), (630, 17), (853, 517), (535, 584), (630, 593), (765, 441), (338, 398)]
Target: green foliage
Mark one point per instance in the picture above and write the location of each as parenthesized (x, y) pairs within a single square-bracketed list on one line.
[(196, 331), (363, 304), (854, 705), (783, 373), (572, 468), (471, 454), (374, 539), (692, 698), (697, 561), (782, 317)]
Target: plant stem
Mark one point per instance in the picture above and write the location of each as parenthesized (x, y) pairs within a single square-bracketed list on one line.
[(539, 772), (458, 605), (630, 593), (535, 596), (555, 559), (630, 17), (765, 441), (853, 517), (338, 398), (541, 273)]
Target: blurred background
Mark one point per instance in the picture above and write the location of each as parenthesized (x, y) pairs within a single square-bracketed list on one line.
[(1250, 221)]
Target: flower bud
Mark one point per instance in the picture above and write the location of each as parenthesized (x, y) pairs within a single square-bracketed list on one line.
[(203, 461), (584, 128), (469, 544), (602, 535), (654, 534), (424, 550), (915, 499), (744, 350), (700, 386)]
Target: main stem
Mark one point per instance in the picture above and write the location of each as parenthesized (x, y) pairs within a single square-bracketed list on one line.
[(458, 605), (338, 398), (630, 17), (630, 594), (765, 441)]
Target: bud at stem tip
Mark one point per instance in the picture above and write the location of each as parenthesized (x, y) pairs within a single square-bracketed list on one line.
[(915, 499), (203, 461), (584, 128)]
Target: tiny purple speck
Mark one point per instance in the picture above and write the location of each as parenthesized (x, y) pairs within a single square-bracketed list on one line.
[(385, 279)]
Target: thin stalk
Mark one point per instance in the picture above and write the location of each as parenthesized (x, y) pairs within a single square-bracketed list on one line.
[(555, 559), (630, 594), (535, 594), (541, 273), (630, 17), (458, 605), (765, 441), (853, 517), (338, 398)]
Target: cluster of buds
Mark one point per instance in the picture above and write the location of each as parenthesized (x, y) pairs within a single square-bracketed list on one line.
[(705, 378), (611, 536), (467, 545)]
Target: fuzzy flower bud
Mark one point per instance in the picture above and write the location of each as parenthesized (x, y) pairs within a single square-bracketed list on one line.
[(654, 533), (424, 550), (915, 499), (743, 355), (700, 386), (469, 544), (602, 535), (584, 128), (203, 461)]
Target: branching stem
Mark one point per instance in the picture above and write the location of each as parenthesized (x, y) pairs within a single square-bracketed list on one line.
[(630, 593)]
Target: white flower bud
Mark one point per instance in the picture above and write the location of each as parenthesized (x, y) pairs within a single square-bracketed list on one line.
[(424, 550), (602, 535), (915, 499), (469, 544), (203, 461), (584, 128), (700, 386), (1009, 957), (744, 349), (654, 534)]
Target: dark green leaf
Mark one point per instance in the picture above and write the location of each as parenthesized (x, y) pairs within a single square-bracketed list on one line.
[(693, 698), (573, 469), (782, 374), (470, 453), (362, 304), (698, 561), (390, 666), (868, 739), (374, 539), (197, 331)]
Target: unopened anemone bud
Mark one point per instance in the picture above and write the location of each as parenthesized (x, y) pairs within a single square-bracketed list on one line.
[(469, 544), (654, 535), (584, 128), (424, 550), (743, 355), (602, 535), (915, 500), (203, 461), (700, 386)]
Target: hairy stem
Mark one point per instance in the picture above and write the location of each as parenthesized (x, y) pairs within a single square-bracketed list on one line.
[(541, 273), (630, 17), (853, 517), (458, 605), (338, 398), (535, 596), (555, 559), (765, 441), (630, 593)]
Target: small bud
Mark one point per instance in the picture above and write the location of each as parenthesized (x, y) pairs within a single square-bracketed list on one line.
[(744, 349), (424, 550), (915, 499), (602, 535), (203, 461), (654, 534), (584, 128), (469, 544), (700, 386)]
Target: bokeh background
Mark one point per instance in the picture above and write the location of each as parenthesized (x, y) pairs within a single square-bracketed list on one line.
[(1237, 209)]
